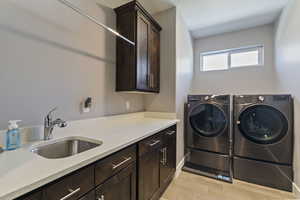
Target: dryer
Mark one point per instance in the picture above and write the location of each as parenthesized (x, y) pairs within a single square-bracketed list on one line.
[(208, 135), (263, 140)]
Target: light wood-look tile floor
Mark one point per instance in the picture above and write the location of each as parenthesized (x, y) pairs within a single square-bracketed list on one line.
[(189, 186)]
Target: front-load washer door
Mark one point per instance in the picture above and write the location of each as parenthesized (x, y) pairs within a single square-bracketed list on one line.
[(207, 123), (263, 124), (208, 120)]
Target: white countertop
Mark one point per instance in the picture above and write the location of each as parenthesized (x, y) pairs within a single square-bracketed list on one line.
[(22, 171)]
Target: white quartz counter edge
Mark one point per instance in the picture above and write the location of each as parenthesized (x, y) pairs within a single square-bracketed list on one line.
[(22, 171)]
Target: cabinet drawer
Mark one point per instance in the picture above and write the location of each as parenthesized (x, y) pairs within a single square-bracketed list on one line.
[(169, 134), (150, 144), (114, 163), (121, 186), (73, 186), (89, 196), (33, 196)]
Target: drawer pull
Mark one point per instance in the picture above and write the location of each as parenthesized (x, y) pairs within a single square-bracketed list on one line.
[(72, 192), (114, 166), (171, 133), (154, 143)]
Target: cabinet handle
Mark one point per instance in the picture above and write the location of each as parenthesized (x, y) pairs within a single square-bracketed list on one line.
[(171, 133), (152, 80), (101, 198), (154, 143), (72, 192), (165, 156), (149, 80), (114, 166)]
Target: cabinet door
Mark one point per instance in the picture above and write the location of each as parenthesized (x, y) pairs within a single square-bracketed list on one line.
[(142, 51), (168, 157), (121, 186), (154, 68), (149, 180)]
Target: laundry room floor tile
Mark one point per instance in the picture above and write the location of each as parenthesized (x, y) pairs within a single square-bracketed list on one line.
[(189, 186)]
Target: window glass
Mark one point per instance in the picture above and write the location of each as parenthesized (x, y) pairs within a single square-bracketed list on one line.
[(242, 59), (215, 62)]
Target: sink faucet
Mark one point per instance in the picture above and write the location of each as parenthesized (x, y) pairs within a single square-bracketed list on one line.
[(49, 125)]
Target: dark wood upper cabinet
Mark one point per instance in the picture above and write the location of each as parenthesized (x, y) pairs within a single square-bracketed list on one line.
[(154, 70), (138, 66)]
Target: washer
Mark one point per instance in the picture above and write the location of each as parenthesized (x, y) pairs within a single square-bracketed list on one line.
[(208, 135), (263, 140)]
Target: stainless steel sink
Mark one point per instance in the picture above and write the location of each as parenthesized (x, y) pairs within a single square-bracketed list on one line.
[(65, 147)]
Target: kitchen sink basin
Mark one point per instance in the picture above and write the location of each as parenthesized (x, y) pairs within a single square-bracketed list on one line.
[(65, 147)]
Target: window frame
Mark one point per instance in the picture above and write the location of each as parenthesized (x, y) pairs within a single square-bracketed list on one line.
[(260, 49)]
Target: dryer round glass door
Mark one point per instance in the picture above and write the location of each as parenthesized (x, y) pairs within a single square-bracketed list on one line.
[(263, 124), (208, 120)]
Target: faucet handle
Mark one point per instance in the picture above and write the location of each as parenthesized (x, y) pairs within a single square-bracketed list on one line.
[(48, 118), (51, 111)]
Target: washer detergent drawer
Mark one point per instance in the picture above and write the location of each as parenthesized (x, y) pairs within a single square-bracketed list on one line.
[(203, 159), (263, 173)]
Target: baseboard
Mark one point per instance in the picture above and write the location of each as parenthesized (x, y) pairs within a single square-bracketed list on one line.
[(179, 167), (296, 190)]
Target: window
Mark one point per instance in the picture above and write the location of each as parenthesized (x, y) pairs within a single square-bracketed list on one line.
[(232, 58)]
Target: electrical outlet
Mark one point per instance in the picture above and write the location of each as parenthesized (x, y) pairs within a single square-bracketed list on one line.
[(127, 105), (86, 105)]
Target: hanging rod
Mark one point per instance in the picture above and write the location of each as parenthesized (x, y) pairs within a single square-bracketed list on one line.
[(93, 19)]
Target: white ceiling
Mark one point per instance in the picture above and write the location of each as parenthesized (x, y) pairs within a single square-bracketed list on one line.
[(209, 17), (152, 6)]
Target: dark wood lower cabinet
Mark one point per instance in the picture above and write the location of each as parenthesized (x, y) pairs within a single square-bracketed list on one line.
[(73, 186), (121, 186), (149, 171), (115, 177), (157, 164), (89, 196), (37, 195), (168, 164)]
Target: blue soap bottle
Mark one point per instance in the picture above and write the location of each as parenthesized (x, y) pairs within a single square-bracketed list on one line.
[(13, 140)]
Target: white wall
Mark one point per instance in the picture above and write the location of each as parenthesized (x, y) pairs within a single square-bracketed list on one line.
[(51, 56), (287, 43), (184, 77), (165, 100), (240, 80)]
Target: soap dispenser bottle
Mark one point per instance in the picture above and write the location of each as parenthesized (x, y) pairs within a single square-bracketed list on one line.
[(13, 139)]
